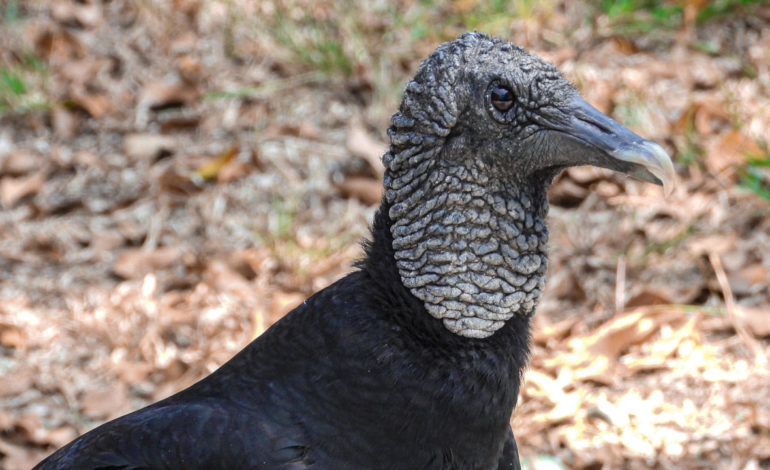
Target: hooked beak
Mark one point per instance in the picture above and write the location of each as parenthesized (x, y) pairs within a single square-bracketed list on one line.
[(608, 144)]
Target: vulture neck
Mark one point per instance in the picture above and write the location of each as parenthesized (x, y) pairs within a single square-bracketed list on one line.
[(473, 249)]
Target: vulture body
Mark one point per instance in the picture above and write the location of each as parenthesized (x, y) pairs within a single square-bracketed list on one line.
[(412, 361)]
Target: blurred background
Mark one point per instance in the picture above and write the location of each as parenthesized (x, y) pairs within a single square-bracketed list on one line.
[(176, 175)]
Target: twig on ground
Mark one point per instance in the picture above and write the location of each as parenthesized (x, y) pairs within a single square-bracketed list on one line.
[(732, 314)]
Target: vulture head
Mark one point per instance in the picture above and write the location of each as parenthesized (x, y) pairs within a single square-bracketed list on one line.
[(482, 130)]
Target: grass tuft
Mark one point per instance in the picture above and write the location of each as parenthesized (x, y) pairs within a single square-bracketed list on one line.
[(755, 176)]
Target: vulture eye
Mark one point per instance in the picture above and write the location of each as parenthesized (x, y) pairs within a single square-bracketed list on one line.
[(502, 98)]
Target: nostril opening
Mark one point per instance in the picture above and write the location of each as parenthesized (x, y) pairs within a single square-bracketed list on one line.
[(597, 125)]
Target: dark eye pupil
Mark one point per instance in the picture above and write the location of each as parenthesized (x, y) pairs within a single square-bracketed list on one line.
[(502, 98)]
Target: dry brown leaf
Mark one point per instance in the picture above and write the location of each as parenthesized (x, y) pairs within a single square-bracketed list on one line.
[(283, 302), (745, 279), (213, 166), (599, 93), (29, 429), (87, 159), (363, 145), (135, 263), (132, 372), (756, 320), (619, 333), (607, 189), (57, 437), (464, 6), (729, 151), (704, 245), (666, 346), (648, 297), (304, 130), (565, 285), (80, 73), (184, 41), (566, 193), (540, 385), (64, 122), (224, 278), (86, 15), (17, 457), (14, 382), (366, 190), (159, 95), (19, 162), (595, 356), (175, 180), (148, 146), (97, 105), (565, 410), (12, 190), (6, 420), (234, 170), (556, 331), (105, 403), (59, 46), (189, 67), (585, 175)]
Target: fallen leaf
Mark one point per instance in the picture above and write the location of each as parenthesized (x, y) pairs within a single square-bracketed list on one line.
[(234, 170), (158, 95), (665, 347), (19, 162), (718, 244), (756, 320), (58, 46), (189, 67), (148, 146), (97, 105), (566, 193), (85, 15), (283, 302), (87, 159), (363, 145), (648, 297), (57, 437), (303, 129), (586, 175), (64, 122), (211, 169), (105, 403), (175, 180), (556, 331), (81, 72), (14, 382), (729, 151), (595, 356), (17, 457), (366, 190), (565, 410), (743, 280), (135, 263), (13, 190), (133, 372)]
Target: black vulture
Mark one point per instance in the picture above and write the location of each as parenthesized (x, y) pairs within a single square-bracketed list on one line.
[(413, 360)]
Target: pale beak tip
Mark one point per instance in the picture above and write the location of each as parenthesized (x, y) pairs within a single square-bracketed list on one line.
[(653, 162), (662, 167)]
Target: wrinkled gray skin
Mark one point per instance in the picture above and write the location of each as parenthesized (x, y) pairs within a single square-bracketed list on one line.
[(467, 182)]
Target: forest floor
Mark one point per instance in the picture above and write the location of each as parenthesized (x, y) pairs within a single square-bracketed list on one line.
[(175, 175)]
